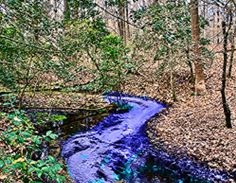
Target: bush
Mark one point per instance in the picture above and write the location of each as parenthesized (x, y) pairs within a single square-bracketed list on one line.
[(22, 158)]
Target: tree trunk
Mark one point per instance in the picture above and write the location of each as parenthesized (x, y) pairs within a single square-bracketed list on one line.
[(227, 111), (190, 64), (204, 16), (127, 19), (232, 52), (121, 22), (200, 86)]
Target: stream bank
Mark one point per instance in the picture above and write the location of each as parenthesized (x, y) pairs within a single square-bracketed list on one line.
[(118, 149), (195, 125)]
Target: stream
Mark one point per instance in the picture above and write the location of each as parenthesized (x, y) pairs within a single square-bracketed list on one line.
[(117, 148)]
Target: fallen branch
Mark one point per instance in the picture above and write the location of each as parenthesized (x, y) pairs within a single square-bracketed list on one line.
[(69, 109)]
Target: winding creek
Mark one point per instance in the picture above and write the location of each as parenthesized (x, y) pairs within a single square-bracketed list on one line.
[(117, 148)]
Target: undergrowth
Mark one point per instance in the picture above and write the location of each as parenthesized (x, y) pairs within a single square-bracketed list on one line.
[(22, 158)]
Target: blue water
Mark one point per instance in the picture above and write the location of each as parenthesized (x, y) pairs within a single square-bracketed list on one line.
[(118, 149)]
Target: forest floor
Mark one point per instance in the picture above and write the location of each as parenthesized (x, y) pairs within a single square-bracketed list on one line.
[(193, 125), (64, 100)]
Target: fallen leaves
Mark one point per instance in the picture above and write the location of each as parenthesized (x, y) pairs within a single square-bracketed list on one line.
[(196, 125)]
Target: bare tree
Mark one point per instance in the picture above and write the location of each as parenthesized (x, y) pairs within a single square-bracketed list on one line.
[(200, 86), (232, 41), (227, 111), (121, 22), (127, 20)]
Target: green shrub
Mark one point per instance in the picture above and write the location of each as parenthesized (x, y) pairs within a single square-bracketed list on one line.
[(21, 144)]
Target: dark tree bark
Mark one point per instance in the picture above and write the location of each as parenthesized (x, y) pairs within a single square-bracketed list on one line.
[(227, 111), (200, 86), (190, 63)]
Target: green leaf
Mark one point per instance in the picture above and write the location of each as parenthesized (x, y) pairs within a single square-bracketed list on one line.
[(2, 164), (39, 174), (37, 140), (48, 133), (53, 136), (26, 134)]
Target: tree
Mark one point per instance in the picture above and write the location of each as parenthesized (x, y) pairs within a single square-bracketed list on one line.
[(121, 21), (200, 86), (226, 108), (232, 38)]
